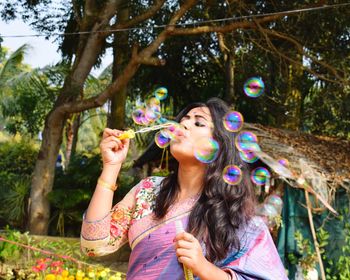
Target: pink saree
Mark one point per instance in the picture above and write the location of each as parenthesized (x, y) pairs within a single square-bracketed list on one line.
[(153, 254)]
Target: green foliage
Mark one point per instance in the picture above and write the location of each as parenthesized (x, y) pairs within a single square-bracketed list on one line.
[(339, 269), (91, 127), (18, 156), (73, 189), (10, 252), (15, 202), (343, 264), (17, 160), (308, 257), (71, 193)]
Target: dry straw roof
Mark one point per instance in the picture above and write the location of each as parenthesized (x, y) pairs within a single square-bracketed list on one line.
[(329, 157)]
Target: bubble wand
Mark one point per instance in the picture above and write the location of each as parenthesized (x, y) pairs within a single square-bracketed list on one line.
[(187, 272), (131, 133)]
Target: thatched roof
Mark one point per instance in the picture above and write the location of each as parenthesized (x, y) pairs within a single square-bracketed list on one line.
[(329, 156), (328, 159)]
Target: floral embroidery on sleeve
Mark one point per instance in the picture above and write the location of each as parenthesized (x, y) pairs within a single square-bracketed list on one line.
[(120, 222), (145, 199)]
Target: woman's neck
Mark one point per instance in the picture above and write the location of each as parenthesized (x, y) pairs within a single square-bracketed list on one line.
[(190, 179)]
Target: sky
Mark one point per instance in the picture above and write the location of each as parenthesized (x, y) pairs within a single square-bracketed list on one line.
[(42, 52)]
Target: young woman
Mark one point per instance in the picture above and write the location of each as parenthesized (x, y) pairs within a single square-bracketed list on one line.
[(222, 238)]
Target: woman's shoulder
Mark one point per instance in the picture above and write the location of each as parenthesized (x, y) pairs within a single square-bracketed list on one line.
[(145, 196), (254, 228), (149, 184)]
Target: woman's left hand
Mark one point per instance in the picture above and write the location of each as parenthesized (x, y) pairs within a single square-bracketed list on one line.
[(189, 252)]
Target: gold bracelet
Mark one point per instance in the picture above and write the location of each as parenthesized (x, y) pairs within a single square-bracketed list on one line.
[(104, 184)]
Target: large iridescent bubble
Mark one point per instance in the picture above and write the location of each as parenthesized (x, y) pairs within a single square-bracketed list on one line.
[(276, 201), (206, 150), (267, 210), (233, 121), (248, 156), (232, 175), (138, 116), (152, 113), (161, 140), (260, 175), (268, 213), (171, 131), (254, 87), (247, 141)]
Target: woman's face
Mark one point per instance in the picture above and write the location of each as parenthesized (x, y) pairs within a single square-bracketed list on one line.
[(197, 126)]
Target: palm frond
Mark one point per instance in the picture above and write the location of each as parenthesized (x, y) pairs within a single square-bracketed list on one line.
[(11, 64)]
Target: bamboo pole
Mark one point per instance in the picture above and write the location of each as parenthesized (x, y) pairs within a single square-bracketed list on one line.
[(312, 227)]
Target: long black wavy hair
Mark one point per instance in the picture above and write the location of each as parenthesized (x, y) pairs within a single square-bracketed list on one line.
[(221, 208)]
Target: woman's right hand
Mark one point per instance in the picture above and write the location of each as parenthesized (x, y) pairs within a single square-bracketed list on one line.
[(113, 150)]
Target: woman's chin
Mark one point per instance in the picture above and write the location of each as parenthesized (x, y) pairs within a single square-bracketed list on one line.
[(180, 153)]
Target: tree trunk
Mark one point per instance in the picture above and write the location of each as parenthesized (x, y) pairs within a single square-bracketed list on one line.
[(76, 125), (120, 58), (227, 47), (72, 128), (230, 96), (43, 176)]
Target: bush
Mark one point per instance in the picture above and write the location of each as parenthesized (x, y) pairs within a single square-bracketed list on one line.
[(17, 161), (18, 156)]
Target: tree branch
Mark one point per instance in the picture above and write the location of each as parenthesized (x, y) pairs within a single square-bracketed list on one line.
[(140, 18), (300, 50), (222, 45), (136, 58), (224, 28)]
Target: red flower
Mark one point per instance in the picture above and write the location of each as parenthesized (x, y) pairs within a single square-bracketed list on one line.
[(56, 264), (147, 185), (91, 254), (39, 267), (56, 270), (115, 231)]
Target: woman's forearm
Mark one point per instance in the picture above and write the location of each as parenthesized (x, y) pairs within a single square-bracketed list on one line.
[(102, 199), (211, 271)]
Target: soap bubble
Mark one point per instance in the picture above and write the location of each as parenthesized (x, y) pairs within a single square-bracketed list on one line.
[(254, 87), (138, 116), (161, 140), (260, 175), (206, 150), (233, 121), (247, 141), (284, 162), (248, 156), (276, 201), (232, 174), (161, 93)]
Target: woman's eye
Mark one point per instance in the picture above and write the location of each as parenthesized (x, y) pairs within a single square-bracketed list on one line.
[(199, 124)]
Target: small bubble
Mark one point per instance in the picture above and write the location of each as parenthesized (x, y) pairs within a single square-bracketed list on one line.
[(254, 87), (232, 174)]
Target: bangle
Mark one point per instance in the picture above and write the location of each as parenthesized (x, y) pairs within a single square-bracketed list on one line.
[(104, 184)]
